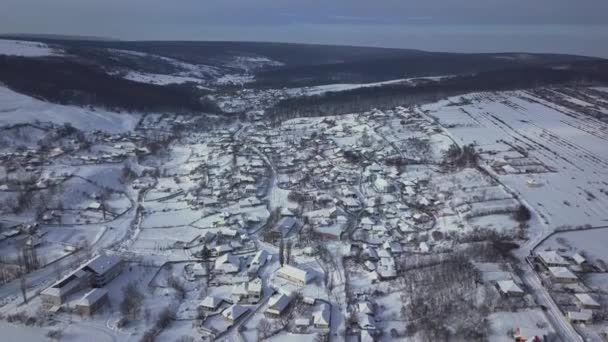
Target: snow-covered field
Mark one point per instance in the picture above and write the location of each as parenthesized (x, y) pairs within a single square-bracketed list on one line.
[(160, 79), (25, 49), (16, 108), (568, 143)]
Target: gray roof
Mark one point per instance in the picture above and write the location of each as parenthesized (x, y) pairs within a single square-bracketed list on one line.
[(102, 263), (92, 297)]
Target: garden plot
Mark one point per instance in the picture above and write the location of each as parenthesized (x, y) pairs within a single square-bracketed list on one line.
[(157, 239), (104, 175), (564, 141), (173, 218), (532, 321)]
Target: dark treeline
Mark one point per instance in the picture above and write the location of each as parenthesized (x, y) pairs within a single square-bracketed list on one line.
[(112, 60), (218, 52), (390, 96), (66, 81), (405, 66)]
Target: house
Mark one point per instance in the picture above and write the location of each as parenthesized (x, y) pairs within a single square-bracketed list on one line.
[(583, 316), (295, 275), (255, 290), (211, 303), (104, 268), (585, 301), (259, 260), (552, 259), (239, 293), (92, 302), (365, 308), (382, 185), (366, 322), (277, 304), (509, 288), (302, 322), (227, 264), (579, 259), (562, 275), (386, 269), (322, 317), (234, 312), (424, 248)]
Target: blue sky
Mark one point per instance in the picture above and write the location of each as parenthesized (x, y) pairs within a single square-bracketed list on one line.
[(566, 26)]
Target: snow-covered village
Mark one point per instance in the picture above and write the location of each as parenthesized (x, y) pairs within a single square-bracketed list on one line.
[(475, 217)]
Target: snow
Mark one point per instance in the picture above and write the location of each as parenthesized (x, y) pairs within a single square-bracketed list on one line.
[(25, 49), (160, 79), (568, 143), (318, 90), (16, 108), (591, 242), (529, 320)]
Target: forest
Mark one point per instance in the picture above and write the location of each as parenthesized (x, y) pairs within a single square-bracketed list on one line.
[(66, 81)]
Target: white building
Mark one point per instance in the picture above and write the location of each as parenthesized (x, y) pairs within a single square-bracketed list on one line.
[(295, 275)]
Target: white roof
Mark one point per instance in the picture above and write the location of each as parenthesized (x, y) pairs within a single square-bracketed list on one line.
[(278, 303), (578, 258), (260, 258), (234, 311), (509, 286), (583, 315), (586, 299), (211, 302), (562, 272), (551, 257), (294, 272), (322, 316)]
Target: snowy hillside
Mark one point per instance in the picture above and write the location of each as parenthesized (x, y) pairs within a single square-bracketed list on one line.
[(25, 49), (16, 108)]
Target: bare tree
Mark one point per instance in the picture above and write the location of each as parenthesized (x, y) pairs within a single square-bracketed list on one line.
[(23, 286), (288, 252), (282, 252)]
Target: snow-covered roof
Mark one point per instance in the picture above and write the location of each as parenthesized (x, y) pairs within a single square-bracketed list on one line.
[(579, 259), (288, 271), (92, 297), (234, 311), (562, 272), (508, 286), (323, 315), (278, 303), (211, 302), (102, 263), (586, 299), (552, 258)]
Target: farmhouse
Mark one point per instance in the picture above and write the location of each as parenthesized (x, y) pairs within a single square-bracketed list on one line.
[(322, 317), (583, 316), (227, 263), (295, 275), (509, 288), (277, 305), (552, 259), (585, 301), (234, 312), (211, 303)]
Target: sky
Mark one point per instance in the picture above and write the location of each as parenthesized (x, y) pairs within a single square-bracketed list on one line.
[(562, 26)]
